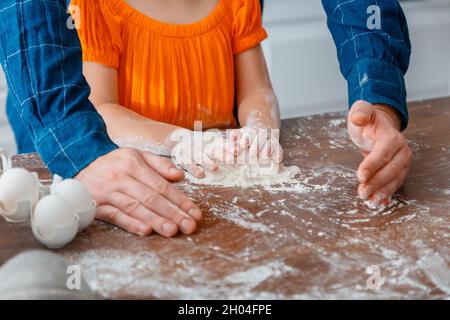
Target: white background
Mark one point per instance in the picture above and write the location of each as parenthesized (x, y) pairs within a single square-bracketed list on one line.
[(303, 64)]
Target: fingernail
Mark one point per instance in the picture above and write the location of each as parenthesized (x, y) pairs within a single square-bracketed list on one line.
[(363, 194), (200, 173), (196, 214), (364, 176), (143, 230), (187, 225), (379, 198), (168, 227), (174, 171)]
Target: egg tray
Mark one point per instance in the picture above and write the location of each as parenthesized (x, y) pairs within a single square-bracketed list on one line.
[(24, 208), (5, 162), (61, 235)]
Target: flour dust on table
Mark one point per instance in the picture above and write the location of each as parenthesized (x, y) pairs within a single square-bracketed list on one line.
[(309, 238)]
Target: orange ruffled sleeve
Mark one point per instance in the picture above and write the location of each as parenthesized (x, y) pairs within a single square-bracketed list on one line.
[(99, 32), (247, 29)]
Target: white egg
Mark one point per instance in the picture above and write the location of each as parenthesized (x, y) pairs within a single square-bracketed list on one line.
[(78, 196), (18, 185), (75, 193), (51, 213)]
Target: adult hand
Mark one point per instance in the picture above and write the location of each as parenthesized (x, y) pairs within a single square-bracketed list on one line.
[(132, 192), (375, 129)]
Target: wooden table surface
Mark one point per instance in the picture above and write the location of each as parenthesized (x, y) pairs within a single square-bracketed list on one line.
[(311, 238)]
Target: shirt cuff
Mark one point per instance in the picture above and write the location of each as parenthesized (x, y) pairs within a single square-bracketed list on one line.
[(250, 41), (378, 82), (72, 144), (108, 59)]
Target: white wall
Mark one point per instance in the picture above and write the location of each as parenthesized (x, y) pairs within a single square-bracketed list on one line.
[(6, 136), (303, 64)]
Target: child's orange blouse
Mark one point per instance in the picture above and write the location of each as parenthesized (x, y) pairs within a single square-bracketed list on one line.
[(172, 73)]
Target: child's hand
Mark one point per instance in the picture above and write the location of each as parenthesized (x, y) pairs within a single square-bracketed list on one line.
[(198, 152), (261, 142)]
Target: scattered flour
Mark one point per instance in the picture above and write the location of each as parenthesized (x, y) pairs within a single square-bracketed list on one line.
[(329, 228), (239, 216), (114, 272), (257, 275), (109, 271), (337, 122), (437, 270)]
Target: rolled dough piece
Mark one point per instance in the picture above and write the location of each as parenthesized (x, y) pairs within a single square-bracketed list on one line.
[(247, 175)]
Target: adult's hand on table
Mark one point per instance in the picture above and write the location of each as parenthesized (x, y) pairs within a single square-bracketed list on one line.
[(375, 129), (132, 192)]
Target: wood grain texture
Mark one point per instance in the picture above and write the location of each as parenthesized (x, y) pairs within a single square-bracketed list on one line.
[(311, 238)]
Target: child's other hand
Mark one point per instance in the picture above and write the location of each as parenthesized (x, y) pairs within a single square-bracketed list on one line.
[(197, 152), (260, 142)]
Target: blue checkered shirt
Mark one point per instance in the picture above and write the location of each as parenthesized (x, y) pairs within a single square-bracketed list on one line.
[(48, 104), (374, 57)]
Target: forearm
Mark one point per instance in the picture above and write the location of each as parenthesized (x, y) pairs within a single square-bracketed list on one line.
[(42, 62), (260, 109), (130, 129), (259, 115), (373, 56)]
